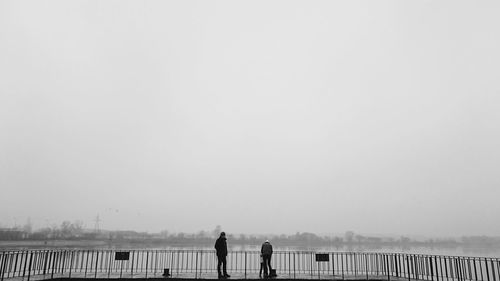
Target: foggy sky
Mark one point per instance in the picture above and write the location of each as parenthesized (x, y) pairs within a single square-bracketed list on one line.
[(259, 116)]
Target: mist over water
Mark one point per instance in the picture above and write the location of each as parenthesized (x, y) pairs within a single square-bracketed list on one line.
[(263, 117), (472, 251)]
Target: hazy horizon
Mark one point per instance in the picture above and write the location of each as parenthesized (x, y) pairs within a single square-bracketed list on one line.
[(262, 117), (90, 227)]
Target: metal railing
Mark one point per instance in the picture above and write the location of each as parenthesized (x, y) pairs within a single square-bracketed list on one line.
[(49, 264)]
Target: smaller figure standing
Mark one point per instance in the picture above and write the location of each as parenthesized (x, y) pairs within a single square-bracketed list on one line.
[(266, 251)]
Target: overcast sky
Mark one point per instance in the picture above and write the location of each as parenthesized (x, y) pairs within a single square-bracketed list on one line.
[(259, 116)]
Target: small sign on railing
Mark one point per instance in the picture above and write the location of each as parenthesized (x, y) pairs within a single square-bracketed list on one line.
[(122, 256), (322, 257)]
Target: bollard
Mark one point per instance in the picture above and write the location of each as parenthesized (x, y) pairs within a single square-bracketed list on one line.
[(166, 272)]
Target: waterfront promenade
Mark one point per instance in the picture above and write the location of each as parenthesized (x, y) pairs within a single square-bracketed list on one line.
[(201, 264)]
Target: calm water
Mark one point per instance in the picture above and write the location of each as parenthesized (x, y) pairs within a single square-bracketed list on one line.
[(478, 251)]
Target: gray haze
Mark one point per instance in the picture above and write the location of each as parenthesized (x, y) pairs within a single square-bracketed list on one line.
[(260, 116)]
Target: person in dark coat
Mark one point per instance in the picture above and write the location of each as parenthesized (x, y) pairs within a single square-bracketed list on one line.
[(266, 251), (221, 248)]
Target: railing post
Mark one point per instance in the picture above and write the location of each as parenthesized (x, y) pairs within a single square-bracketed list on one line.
[(414, 264), (493, 270), (86, 263), (342, 264), (63, 262), (366, 265), (387, 267), (201, 262), (2, 260), (110, 263), (408, 267), (1, 265), (4, 264), (29, 267), (333, 265), (311, 264), (147, 262), (319, 275), (15, 264), (53, 261), (132, 264), (71, 263), (377, 265), (196, 267), (293, 266), (25, 264), (245, 264), (171, 261), (178, 253), (96, 262), (45, 263), (446, 266), (436, 266), (155, 268), (431, 268), (121, 268), (396, 265)]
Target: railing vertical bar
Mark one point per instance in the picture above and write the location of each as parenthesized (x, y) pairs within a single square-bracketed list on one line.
[(45, 262), (52, 265), (38, 263), (493, 270), (29, 267), (71, 263), (15, 264), (2, 267), (469, 268), (147, 260)]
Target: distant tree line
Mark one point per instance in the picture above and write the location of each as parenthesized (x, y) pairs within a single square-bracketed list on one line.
[(75, 231)]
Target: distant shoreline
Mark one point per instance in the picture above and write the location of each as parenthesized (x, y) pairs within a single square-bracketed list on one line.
[(136, 244)]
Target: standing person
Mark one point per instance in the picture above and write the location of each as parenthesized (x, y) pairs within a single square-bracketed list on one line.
[(221, 248), (267, 250)]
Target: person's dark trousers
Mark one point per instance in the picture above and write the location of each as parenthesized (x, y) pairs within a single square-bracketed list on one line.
[(221, 260), (267, 265)]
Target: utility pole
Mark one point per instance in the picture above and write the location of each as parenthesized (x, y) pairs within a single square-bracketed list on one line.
[(96, 226)]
